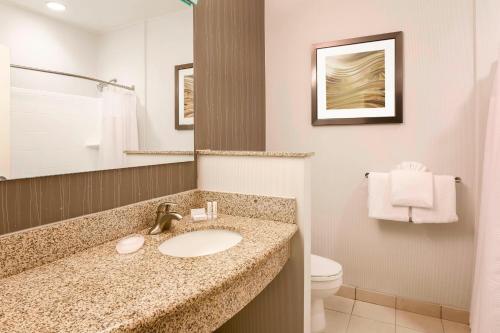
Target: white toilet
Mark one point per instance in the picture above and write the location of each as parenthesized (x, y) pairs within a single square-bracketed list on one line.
[(326, 279)]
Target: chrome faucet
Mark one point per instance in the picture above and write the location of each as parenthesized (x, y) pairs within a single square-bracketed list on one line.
[(164, 218)]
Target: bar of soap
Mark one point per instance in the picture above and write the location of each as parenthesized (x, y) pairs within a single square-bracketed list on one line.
[(130, 244)]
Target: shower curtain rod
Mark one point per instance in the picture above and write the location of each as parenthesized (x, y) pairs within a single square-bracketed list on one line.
[(73, 75)]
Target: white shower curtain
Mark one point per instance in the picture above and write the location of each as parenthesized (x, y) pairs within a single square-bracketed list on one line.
[(118, 127), (485, 310)]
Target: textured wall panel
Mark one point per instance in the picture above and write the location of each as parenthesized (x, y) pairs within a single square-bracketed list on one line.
[(487, 55), (230, 75), (427, 262), (27, 203), (5, 144), (284, 306)]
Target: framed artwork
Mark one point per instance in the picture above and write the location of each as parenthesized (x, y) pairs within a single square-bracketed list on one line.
[(358, 81), (184, 97)]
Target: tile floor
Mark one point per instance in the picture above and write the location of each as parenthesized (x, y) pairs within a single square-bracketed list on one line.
[(344, 315)]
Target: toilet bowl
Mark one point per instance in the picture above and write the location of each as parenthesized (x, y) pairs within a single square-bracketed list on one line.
[(326, 280)]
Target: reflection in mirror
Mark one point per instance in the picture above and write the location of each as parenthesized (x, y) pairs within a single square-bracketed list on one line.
[(94, 85)]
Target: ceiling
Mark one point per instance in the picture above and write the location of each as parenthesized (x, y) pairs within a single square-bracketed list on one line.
[(104, 15)]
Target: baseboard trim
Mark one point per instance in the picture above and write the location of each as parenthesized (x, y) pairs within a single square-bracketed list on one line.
[(405, 304)]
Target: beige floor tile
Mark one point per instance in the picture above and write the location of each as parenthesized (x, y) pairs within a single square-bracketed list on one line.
[(418, 322), (365, 325), (400, 329), (336, 322), (453, 327), (340, 304), (375, 312)]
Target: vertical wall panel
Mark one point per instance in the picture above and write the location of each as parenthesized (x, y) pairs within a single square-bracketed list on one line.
[(284, 306), (4, 111), (27, 203), (230, 75), (487, 53)]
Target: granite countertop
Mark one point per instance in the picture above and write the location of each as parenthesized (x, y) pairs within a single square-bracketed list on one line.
[(221, 153), (254, 153), (160, 152), (98, 290)]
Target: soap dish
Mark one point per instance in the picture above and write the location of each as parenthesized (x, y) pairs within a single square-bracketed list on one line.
[(130, 244)]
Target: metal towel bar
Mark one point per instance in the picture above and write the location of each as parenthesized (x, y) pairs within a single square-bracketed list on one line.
[(457, 179)]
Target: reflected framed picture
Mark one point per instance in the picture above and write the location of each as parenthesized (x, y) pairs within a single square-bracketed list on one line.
[(184, 97), (358, 81)]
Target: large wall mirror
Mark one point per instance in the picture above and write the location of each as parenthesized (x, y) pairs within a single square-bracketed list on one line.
[(91, 85)]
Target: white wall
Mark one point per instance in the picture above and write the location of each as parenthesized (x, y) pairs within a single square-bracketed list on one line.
[(49, 132), (427, 262), (169, 43), (4, 112), (38, 41)]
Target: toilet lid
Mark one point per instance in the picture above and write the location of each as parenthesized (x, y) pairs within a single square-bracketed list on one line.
[(325, 268)]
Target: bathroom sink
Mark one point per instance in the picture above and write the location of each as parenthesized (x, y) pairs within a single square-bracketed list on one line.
[(200, 243)]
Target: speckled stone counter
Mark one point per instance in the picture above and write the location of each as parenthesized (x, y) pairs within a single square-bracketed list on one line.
[(97, 290), (254, 153), (160, 152), (34, 247), (30, 248)]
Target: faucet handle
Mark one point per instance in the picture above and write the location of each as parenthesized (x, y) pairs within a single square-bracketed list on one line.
[(165, 207)]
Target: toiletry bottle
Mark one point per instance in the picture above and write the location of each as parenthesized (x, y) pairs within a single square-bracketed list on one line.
[(209, 210), (214, 210)]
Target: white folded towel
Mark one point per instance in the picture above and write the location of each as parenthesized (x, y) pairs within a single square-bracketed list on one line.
[(379, 200), (444, 210), (412, 188)]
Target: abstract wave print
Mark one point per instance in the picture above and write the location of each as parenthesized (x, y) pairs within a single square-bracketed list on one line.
[(188, 96), (355, 81)]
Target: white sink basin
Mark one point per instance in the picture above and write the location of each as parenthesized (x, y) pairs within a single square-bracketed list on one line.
[(200, 243)]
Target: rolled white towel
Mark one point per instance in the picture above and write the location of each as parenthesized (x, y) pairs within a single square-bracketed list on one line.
[(444, 210), (379, 200), (411, 188)]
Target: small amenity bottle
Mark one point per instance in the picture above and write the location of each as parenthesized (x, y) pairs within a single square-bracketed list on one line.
[(214, 210), (209, 210)]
